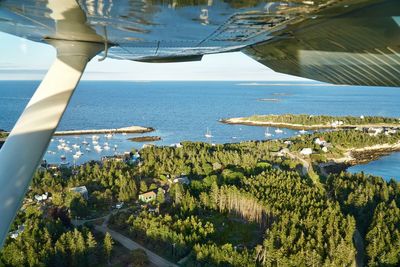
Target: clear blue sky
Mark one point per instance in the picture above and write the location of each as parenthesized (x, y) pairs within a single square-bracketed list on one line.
[(25, 60)]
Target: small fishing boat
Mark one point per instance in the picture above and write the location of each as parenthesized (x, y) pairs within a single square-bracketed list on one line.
[(278, 131), (303, 131), (208, 134), (267, 133)]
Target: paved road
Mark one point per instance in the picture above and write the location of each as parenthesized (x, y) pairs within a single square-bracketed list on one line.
[(131, 245)]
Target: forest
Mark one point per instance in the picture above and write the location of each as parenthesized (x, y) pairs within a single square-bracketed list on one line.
[(244, 206)]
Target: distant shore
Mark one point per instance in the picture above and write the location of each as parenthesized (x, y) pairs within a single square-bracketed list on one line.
[(293, 126)]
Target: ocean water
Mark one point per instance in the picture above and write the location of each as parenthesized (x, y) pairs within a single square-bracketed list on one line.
[(185, 110)]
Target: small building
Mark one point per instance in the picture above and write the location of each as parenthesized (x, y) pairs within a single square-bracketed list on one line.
[(325, 149), (148, 196), (306, 151), (82, 190), (176, 145), (42, 197), (16, 233), (319, 141)]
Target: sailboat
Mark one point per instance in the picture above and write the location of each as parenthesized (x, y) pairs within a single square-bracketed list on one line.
[(208, 134), (267, 134)]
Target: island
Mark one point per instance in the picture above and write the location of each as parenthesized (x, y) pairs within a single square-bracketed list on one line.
[(253, 203), (314, 122), (145, 139)]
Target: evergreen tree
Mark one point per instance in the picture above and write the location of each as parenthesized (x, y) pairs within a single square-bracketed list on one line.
[(108, 246)]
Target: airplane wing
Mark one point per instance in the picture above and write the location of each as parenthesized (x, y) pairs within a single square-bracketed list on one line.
[(353, 44), (337, 41)]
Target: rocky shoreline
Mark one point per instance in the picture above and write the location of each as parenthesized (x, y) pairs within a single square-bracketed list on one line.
[(358, 156), (145, 139)]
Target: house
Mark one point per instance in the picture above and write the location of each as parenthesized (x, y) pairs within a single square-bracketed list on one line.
[(306, 151), (82, 190), (177, 145), (41, 197), (148, 196), (319, 141), (16, 233)]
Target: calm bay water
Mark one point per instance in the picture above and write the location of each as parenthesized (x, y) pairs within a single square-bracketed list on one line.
[(184, 110)]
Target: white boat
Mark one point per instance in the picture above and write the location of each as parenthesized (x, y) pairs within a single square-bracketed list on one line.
[(63, 157), (278, 131), (95, 137), (303, 131), (51, 140), (75, 146), (108, 136), (67, 148), (266, 133), (76, 157), (208, 134), (88, 149), (84, 142), (97, 148), (79, 153), (106, 148), (95, 143), (60, 147), (61, 140), (123, 133)]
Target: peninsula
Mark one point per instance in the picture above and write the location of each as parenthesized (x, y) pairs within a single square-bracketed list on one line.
[(314, 122)]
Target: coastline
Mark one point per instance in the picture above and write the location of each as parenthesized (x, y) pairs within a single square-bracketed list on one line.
[(293, 126), (357, 156)]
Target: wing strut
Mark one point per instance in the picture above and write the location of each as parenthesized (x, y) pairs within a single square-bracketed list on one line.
[(28, 140)]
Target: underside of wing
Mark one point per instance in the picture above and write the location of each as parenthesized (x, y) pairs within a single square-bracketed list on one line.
[(348, 43)]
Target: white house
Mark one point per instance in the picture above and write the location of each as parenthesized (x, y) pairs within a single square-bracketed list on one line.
[(306, 151), (41, 197), (16, 233), (177, 145), (319, 141)]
